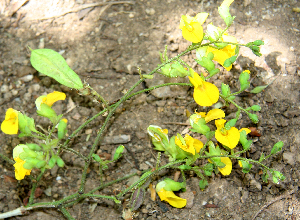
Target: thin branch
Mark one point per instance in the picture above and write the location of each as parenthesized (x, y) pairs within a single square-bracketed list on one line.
[(285, 195), (79, 8)]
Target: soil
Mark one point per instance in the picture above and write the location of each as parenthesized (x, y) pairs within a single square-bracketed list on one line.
[(105, 45)]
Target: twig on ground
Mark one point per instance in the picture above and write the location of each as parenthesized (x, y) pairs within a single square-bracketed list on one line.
[(79, 8), (176, 123), (284, 196)]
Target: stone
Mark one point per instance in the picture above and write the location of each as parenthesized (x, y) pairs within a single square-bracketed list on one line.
[(289, 158)]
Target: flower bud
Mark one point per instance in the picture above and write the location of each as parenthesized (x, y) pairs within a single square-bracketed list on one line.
[(118, 152), (30, 163), (255, 108), (62, 128), (23, 156), (34, 147), (46, 111), (198, 124), (18, 150), (253, 118), (278, 175), (23, 127), (30, 153), (225, 90), (40, 164), (244, 77)]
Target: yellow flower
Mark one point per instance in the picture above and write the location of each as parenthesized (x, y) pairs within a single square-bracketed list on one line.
[(205, 93), (171, 198), (53, 97), (211, 115), (220, 55), (20, 171), (189, 144), (227, 3), (229, 138), (191, 27), (50, 99), (228, 166), (10, 125)]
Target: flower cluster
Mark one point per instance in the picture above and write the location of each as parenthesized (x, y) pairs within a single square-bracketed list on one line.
[(28, 156)]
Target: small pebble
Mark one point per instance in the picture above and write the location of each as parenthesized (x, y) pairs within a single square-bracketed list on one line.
[(27, 78), (150, 11)]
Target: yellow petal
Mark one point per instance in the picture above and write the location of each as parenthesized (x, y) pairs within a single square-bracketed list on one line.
[(240, 163), (231, 139), (245, 129), (228, 38), (207, 94), (171, 198), (20, 171), (10, 125), (201, 17), (220, 123), (202, 114), (228, 166), (54, 97), (195, 79), (198, 145), (220, 55), (227, 3), (214, 114), (188, 147)]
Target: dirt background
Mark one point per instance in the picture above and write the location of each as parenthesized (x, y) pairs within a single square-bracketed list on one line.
[(105, 45)]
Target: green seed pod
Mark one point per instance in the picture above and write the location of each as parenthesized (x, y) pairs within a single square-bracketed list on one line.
[(255, 108)]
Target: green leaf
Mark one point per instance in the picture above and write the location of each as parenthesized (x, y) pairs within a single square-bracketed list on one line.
[(246, 166), (185, 167), (229, 61), (52, 64), (97, 158), (59, 162), (265, 176), (275, 179), (258, 89), (262, 157), (258, 42), (148, 76), (203, 184), (277, 147), (231, 123)]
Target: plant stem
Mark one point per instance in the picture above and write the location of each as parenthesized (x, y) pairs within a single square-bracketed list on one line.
[(236, 105), (74, 152), (34, 186), (7, 159), (148, 176), (66, 213)]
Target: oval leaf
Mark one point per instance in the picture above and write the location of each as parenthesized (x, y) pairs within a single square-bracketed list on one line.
[(52, 64)]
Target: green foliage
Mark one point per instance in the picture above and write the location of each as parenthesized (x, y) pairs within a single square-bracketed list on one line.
[(52, 64)]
